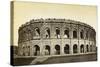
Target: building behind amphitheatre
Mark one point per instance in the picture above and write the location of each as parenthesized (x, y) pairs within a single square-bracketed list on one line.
[(51, 36)]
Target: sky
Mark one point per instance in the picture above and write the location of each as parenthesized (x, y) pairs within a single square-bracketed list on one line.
[(26, 11)]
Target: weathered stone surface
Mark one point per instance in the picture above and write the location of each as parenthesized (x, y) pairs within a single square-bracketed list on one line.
[(35, 35)]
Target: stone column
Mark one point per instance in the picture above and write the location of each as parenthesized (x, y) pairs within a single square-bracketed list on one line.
[(71, 34), (85, 48), (52, 50), (62, 50), (78, 47), (31, 51), (89, 47), (42, 50), (71, 44), (71, 49)]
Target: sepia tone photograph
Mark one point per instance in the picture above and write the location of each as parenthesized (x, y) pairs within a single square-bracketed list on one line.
[(49, 33)]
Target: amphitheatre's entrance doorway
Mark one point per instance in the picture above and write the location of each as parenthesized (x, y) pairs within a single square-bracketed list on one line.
[(82, 48), (57, 47), (36, 50), (74, 48), (47, 50), (66, 49)]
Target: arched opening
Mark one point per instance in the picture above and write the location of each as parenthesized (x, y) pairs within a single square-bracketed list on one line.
[(82, 34), (37, 50), (74, 34), (87, 48), (66, 49), (82, 48), (47, 50), (90, 48), (47, 33), (66, 33), (57, 32), (57, 47), (75, 48), (37, 31)]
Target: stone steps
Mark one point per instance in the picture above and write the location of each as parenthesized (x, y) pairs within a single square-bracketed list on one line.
[(39, 60)]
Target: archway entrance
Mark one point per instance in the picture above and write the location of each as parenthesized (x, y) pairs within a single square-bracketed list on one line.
[(57, 32), (90, 48), (47, 50), (66, 33), (74, 48), (47, 32), (37, 50), (74, 34), (87, 48), (82, 48), (66, 49), (57, 47)]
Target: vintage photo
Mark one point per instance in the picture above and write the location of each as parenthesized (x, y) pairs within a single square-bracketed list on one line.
[(48, 33)]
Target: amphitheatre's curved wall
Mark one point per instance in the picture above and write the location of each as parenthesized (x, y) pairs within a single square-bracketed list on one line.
[(55, 37)]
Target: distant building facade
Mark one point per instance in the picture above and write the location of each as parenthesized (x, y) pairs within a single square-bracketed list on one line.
[(41, 37)]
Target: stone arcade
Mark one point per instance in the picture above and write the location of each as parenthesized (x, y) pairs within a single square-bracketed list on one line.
[(43, 37)]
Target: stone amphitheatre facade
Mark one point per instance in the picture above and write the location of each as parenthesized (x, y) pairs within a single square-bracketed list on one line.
[(49, 37)]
